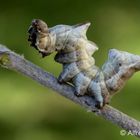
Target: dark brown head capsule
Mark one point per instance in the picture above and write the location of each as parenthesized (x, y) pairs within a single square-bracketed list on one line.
[(38, 36)]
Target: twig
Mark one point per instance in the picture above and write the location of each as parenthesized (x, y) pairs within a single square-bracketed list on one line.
[(13, 61)]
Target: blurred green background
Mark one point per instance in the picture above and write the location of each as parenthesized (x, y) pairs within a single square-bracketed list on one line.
[(29, 111)]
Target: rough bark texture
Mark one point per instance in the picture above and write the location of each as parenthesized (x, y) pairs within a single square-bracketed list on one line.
[(13, 61)]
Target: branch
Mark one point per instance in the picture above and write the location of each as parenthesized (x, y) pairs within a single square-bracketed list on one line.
[(13, 61)]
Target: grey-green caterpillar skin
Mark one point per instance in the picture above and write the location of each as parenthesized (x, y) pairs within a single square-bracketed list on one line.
[(74, 52)]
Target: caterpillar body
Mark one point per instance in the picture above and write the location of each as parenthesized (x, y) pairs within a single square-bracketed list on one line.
[(74, 52)]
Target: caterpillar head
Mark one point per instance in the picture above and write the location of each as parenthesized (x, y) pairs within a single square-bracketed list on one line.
[(40, 37)]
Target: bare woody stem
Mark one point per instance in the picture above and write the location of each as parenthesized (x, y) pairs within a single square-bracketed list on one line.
[(13, 61)]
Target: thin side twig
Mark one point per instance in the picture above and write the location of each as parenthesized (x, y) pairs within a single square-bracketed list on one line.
[(13, 61)]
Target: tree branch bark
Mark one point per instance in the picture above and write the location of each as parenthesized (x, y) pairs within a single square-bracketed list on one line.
[(13, 61)]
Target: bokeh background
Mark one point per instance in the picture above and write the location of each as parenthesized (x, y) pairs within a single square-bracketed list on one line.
[(29, 111)]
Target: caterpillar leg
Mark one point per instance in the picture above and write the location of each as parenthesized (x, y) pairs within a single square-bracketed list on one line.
[(69, 71), (95, 90), (81, 82)]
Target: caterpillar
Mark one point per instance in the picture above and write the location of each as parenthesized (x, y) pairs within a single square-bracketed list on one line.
[(74, 52)]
